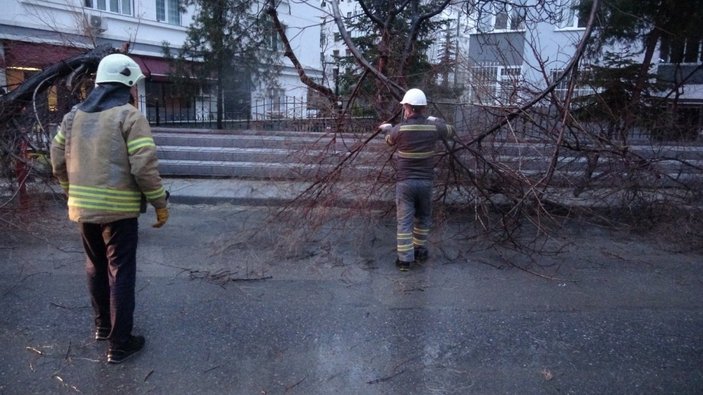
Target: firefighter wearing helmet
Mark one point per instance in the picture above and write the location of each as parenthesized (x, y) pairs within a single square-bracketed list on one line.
[(415, 140), (104, 158), (120, 69)]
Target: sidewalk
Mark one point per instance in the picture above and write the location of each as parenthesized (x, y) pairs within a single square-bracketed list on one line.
[(231, 302), (271, 193), (233, 191)]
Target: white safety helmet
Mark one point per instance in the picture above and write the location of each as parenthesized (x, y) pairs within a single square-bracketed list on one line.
[(414, 97), (118, 68)]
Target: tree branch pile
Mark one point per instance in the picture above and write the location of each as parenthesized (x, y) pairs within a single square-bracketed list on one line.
[(25, 138), (514, 168)]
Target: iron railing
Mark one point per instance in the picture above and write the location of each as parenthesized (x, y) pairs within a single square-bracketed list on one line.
[(294, 114)]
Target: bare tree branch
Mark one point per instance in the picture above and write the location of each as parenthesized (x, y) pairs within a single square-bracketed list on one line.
[(327, 92), (396, 90), (580, 50), (415, 29)]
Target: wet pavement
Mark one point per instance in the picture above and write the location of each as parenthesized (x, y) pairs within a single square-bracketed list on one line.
[(232, 302)]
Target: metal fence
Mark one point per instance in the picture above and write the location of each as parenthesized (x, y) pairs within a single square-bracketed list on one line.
[(287, 113), (294, 114), (201, 111), (198, 112)]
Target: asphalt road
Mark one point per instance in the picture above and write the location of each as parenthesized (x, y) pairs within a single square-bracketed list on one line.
[(233, 301)]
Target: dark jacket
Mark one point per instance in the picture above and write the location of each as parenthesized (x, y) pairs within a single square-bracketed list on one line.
[(416, 139)]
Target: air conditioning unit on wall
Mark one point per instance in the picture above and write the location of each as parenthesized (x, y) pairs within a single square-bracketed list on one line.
[(95, 23)]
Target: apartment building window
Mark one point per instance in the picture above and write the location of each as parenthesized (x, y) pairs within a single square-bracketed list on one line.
[(562, 87), (681, 49), (167, 11), (274, 40), (277, 97), (484, 83), (502, 17), (117, 6), (570, 16), (495, 84), (509, 84)]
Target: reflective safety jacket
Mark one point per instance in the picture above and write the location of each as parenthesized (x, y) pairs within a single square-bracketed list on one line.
[(104, 162), (416, 139)]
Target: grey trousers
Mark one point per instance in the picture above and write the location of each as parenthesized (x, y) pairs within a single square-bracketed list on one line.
[(413, 201)]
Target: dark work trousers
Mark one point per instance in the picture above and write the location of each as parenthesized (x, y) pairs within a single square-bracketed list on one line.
[(111, 266), (413, 199)]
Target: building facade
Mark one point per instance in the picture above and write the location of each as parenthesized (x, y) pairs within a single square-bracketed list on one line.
[(506, 52), (35, 34), (516, 50)]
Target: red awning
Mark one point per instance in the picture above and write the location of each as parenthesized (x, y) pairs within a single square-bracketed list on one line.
[(155, 68), (24, 54)]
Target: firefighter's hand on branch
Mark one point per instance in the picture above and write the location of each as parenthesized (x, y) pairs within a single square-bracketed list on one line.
[(431, 118), (161, 217), (385, 127)]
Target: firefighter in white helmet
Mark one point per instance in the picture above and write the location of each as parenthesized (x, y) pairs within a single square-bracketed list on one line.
[(415, 139), (104, 158)]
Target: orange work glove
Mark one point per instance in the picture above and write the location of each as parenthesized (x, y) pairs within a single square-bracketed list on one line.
[(161, 217)]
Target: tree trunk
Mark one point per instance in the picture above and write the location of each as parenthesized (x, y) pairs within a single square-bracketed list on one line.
[(631, 115)]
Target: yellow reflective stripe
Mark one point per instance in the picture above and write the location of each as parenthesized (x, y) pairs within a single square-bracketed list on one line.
[(419, 242), (60, 138), (155, 194), (96, 191), (104, 199), (450, 130), (416, 155), (102, 205), (64, 184), (404, 242), (418, 128), (141, 142), (405, 248), (421, 231)]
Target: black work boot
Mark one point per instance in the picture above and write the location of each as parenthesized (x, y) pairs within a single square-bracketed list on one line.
[(421, 254), (118, 354), (402, 265), (102, 333)]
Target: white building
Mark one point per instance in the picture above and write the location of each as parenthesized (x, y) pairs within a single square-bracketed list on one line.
[(514, 51), (507, 51), (504, 52), (302, 24), (332, 47), (37, 33)]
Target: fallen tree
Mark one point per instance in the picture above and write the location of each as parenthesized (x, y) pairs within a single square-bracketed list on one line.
[(25, 137)]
